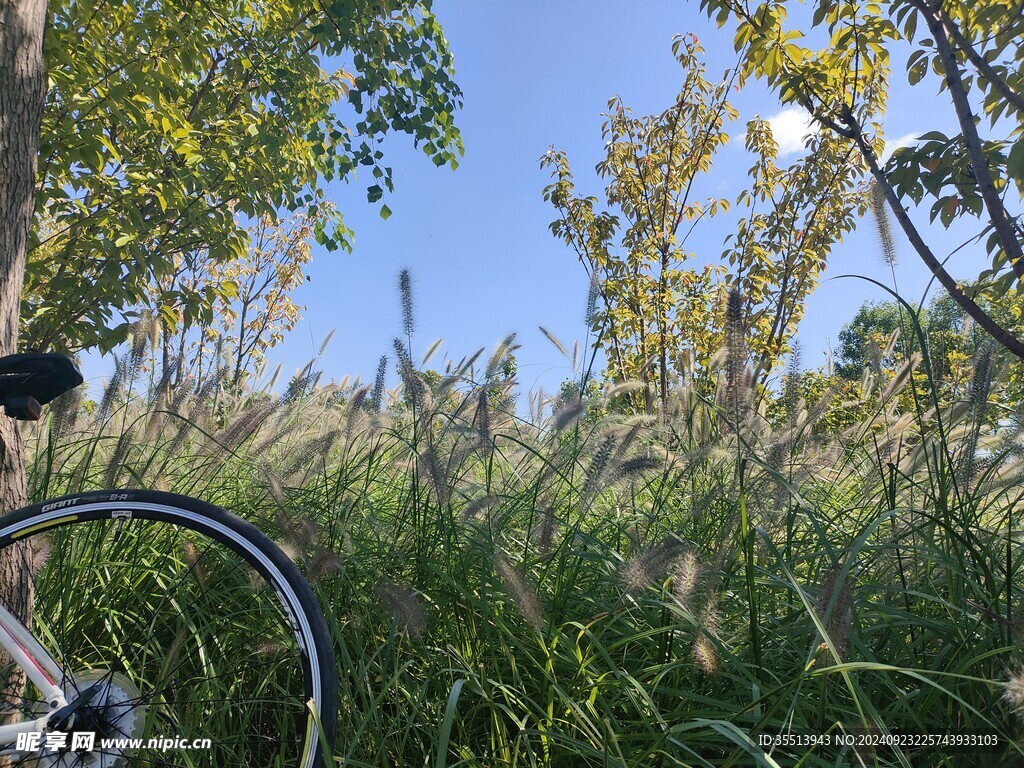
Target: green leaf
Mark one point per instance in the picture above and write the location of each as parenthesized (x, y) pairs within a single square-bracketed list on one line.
[(385, 212), (178, 109), (1015, 163), (444, 735)]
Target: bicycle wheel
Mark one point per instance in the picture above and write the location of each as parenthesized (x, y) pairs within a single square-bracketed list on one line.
[(184, 622)]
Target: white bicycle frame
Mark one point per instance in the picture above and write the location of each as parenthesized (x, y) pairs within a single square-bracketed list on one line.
[(39, 666)]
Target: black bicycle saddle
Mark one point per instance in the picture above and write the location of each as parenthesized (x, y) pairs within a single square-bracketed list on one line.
[(30, 380)]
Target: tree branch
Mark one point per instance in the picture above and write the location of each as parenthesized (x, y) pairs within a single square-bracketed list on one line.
[(979, 163), (983, 67), (1004, 337)]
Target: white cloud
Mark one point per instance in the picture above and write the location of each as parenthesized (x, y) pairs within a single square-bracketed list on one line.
[(792, 126), (790, 129), (906, 140)]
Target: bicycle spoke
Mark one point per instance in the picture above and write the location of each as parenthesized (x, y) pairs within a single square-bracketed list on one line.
[(157, 621)]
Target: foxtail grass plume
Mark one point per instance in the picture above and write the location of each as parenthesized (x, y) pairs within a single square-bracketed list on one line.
[(117, 459), (111, 391), (839, 621), (649, 565), (405, 297), (38, 552), (483, 419), (521, 593), (686, 571), (325, 342), (1014, 693), (312, 455), (276, 487), (635, 427), (412, 383), (497, 360), (593, 291), (475, 508), (182, 391), (736, 382), (883, 224), (377, 395), (555, 342), (639, 465), (874, 357), (407, 614), (159, 398), (981, 382), (274, 438), (160, 394), (548, 527), (356, 408), (977, 402), (437, 474), (193, 560), (566, 414), (704, 653), (65, 411), (900, 378), (792, 384), (269, 386), (600, 465), (301, 384), (142, 333), (246, 424), (297, 530), (323, 564)]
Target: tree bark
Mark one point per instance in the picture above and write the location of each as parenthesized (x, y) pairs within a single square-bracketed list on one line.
[(998, 215), (22, 93), (1004, 337)]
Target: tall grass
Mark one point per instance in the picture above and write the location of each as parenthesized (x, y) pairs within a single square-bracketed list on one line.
[(605, 589)]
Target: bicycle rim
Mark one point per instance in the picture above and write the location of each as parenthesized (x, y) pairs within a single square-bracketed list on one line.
[(193, 622)]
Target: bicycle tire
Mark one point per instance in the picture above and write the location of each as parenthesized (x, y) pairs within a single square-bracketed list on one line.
[(136, 546)]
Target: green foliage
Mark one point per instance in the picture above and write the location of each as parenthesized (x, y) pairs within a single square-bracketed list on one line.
[(171, 124), (795, 216), (661, 316), (877, 338), (972, 52), (251, 306), (618, 590), (880, 338), (651, 302)]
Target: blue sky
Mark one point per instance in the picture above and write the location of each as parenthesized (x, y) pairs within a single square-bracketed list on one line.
[(483, 262)]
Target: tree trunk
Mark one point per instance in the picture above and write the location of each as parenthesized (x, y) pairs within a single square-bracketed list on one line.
[(22, 92)]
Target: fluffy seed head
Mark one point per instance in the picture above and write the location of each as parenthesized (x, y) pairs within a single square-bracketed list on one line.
[(685, 574), (649, 565), (548, 527), (567, 415), (1014, 693), (590, 316), (192, 558), (324, 563), (477, 506), (378, 385), (704, 655), (703, 649), (483, 419), (840, 620), (525, 598), (883, 224), (405, 296), (407, 612)]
